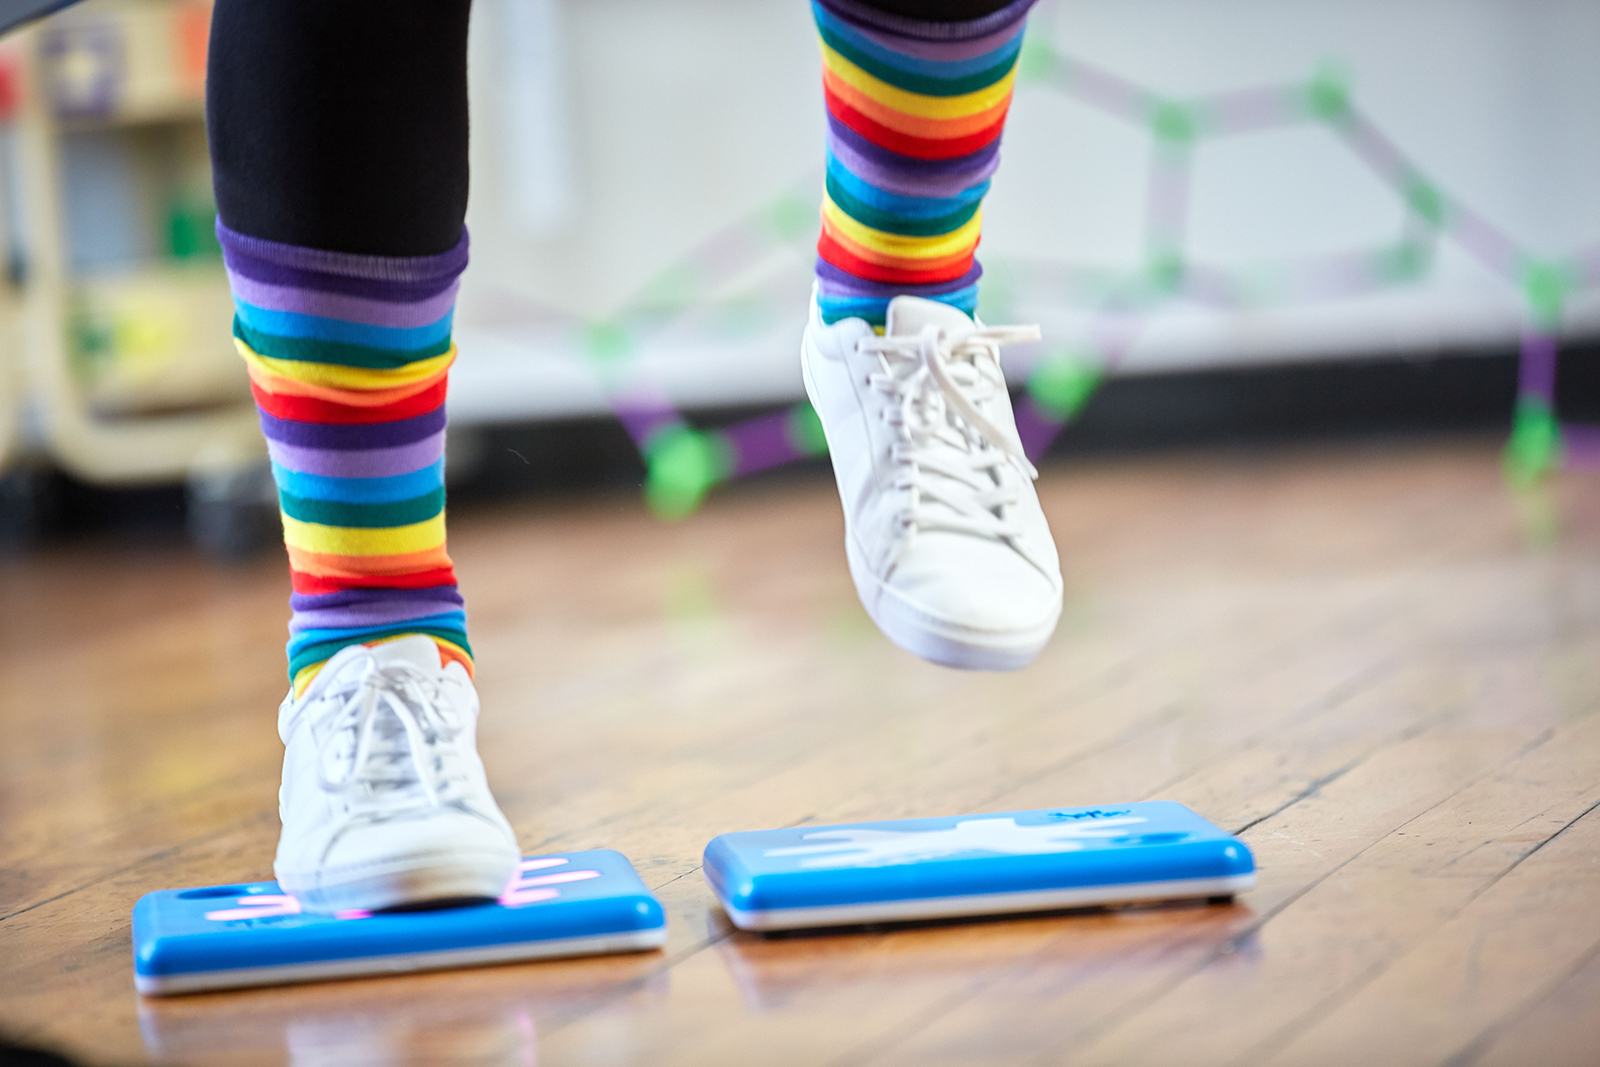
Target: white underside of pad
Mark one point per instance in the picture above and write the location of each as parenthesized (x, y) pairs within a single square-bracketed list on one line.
[(986, 903)]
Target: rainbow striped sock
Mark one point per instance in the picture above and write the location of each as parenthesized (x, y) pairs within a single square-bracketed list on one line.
[(349, 357), (915, 112)]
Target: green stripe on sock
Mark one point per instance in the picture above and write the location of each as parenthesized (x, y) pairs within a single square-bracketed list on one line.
[(887, 222), (328, 649), (340, 353), (363, 516)]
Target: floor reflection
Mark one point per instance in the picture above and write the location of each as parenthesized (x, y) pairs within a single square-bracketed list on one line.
[(1062, 948), (489, 1017)]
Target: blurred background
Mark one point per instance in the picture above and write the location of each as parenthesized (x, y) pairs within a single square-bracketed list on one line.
[(1235, 219), (1320, 290)]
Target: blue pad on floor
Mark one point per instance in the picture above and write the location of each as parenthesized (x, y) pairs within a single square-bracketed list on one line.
[(1013, 861), (565, 904)]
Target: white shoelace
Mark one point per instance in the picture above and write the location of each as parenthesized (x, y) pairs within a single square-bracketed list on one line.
[(389, 743), (952, 456)]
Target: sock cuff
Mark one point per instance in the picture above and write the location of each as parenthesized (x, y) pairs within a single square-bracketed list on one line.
[(924, 30), (442, 267)]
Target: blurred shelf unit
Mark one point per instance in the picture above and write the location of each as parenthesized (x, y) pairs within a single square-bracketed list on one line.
[(123, 301), (11, 386)]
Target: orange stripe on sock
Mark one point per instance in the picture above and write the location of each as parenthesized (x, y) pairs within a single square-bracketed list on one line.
[(918, 126), (330, 565), (852, 258), (906, 144), (366, 398)]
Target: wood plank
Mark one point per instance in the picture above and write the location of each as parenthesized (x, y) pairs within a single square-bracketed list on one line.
[(1353, 918), (1560, 1029), (1102, 982), (1484, 966), (1335, 643)]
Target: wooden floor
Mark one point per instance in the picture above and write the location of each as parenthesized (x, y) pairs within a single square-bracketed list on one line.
[(1375, 663)]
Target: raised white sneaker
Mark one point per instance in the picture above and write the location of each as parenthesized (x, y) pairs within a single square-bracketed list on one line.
[(947, 544), (384, 799)]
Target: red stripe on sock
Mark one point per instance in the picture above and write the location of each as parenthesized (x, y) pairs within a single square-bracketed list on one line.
[(328, 412), (905, 144), (835, 253), (312, 584)]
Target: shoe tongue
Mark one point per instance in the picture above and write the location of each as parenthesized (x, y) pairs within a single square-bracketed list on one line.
[(417, 649), (909, 314)]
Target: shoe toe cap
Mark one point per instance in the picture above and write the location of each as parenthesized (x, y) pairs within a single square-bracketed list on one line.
[(983, 586), (442, 836)]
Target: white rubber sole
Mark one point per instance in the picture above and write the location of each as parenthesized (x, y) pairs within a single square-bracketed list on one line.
[(945, 643), (986, 904), (403, 881), (915, 630)]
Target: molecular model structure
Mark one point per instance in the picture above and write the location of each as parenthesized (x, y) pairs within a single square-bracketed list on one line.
[(684, 463)]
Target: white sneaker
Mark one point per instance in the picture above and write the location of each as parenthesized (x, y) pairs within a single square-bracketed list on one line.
[(384, 799), (947, 544)]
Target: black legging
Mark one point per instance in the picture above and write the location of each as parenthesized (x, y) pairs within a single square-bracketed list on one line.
[(342, 124)]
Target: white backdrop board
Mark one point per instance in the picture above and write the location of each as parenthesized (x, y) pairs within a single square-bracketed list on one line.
[(1187, 183)]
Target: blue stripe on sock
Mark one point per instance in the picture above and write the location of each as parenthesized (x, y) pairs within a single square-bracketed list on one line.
[(875, 309), (360, 490), (452, 620), (318, 328), (913, 207)]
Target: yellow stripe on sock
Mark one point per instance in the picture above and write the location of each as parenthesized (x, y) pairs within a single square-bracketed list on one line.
[(900, 246), (349, 541), (927, 107), (341, 377)]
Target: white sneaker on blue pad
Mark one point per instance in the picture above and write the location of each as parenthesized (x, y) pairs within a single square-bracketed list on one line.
[(947, 544), (384, 800)]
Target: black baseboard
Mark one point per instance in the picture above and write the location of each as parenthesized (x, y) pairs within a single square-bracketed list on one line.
[(1296, 402), (1255, 405)]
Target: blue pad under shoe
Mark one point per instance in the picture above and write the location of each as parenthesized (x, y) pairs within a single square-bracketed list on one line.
[(1014, 861), (566, 904)]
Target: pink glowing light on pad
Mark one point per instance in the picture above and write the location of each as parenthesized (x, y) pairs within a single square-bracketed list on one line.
[(518, 897), (557, 879), (260, 906), (530, 890)]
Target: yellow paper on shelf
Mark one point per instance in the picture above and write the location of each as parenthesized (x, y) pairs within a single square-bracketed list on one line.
[(156, 338)]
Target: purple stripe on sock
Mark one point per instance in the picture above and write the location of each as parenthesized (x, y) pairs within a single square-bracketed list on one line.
[(365, 615), (343, 306), (835, 282), (347, 264), (435, 595), (276, 274), (353, 437), (921, 30), (897, 179), (948, 50), (987, 156), (373, 463)]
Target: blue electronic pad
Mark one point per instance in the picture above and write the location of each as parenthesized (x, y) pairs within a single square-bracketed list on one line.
[(567, 904), (1013, 861)]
